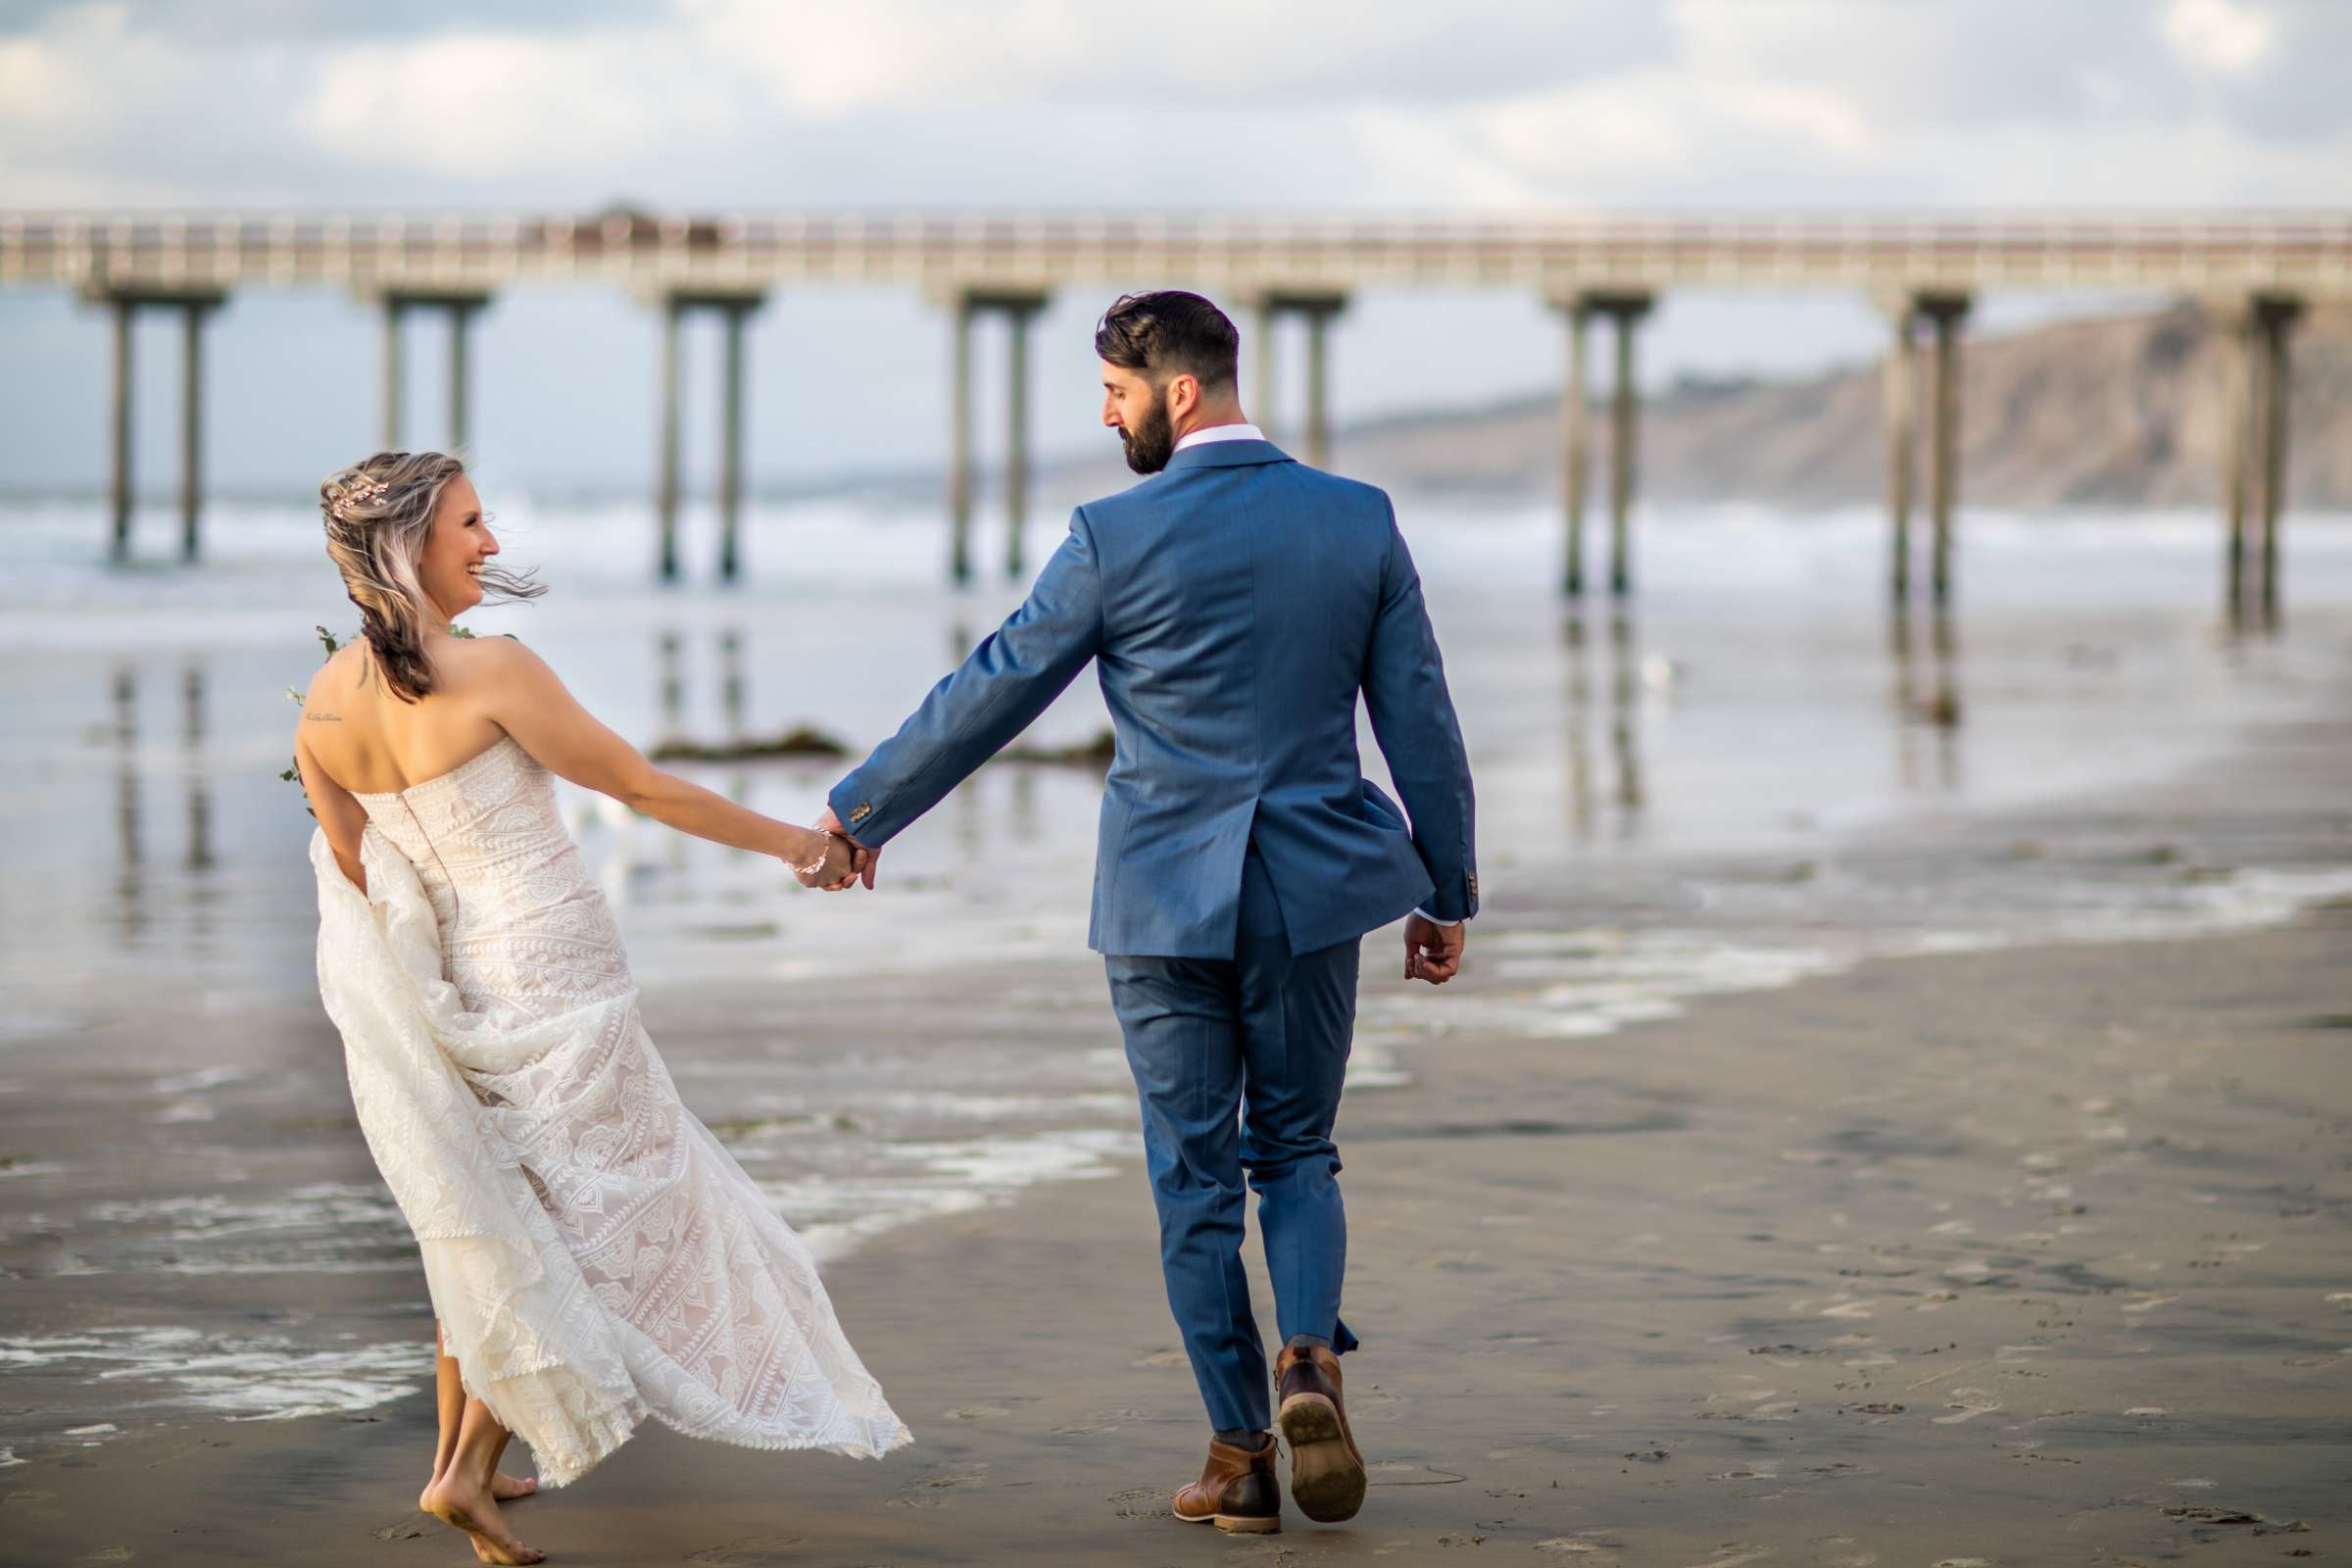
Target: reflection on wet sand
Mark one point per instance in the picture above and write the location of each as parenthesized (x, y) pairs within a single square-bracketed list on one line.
[(130, 881), (732, 680), (1927, 711), (1624, 731), (196, 767)]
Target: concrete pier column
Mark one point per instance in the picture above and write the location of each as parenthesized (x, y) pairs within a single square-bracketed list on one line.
[(1318, 306), (1902, 441), (1625, 312), (1574, 411), (1262, 369), (191, 427), (666, 499), (730, 462), (1318, 387), (1947, 311), (2275, 316), (460, 319), (1017, 435), (2238, 353), (119, 473), (395, 308), (959, 441)]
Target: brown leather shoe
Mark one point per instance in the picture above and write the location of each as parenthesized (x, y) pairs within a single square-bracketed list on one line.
[(1236, 1492), (1327, 1469)]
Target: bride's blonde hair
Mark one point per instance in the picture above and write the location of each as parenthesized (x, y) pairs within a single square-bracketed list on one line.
[(377, 514)]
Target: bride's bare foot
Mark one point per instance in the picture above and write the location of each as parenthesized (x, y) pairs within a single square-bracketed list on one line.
[(466, 1506), (504, 1488)]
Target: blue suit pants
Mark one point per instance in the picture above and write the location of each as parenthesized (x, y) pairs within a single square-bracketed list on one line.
[(1237, 1064)]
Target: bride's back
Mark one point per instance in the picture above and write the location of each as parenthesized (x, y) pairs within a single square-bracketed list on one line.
[(371, 741)]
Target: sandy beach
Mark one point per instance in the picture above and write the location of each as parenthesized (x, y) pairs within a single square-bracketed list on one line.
[(1893, 1113), (2039, 1255)]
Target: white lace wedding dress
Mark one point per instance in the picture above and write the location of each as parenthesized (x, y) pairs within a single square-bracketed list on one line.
[(593, 1253)]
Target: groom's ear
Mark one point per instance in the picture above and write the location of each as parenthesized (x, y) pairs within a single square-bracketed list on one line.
[(1184, 394)]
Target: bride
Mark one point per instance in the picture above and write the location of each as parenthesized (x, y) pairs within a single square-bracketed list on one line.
[(593, 1254)]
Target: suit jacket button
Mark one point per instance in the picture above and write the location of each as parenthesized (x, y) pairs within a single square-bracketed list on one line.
[(862, 810)]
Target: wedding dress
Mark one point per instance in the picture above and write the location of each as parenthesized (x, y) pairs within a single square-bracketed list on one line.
[(593, 1255)]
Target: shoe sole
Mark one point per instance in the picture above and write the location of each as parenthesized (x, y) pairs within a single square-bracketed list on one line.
[(1233, 1524), (1236, 1525), (1327, 1480)]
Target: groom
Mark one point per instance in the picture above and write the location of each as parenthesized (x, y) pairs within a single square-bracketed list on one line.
[(1236, 603)]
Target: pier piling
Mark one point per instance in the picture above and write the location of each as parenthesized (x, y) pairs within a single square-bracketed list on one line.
[(1016, 434), (734, 307), (461, 305), (2274, 317), (959, 443), (1902, 441), (1018, 305), (1575, 412), (119, 471), (1318, 306), (191, 427), (395, 364), (1947, 311), (123, 306)]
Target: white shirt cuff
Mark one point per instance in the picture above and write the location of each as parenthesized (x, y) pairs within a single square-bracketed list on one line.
[(1434, 920)]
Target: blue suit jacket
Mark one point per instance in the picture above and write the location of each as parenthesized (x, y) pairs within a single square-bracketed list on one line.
[(1236, 603)]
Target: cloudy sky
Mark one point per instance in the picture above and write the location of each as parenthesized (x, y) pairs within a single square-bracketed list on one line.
[(708, 104)]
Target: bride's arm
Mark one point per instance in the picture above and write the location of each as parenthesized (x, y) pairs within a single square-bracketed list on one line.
[(341, 818), (516, 689)]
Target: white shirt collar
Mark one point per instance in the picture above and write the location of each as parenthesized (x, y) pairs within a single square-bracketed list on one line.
[(1221, 432)]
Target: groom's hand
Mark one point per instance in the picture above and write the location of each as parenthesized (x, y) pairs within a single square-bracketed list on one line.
[(862, 860), (1432, 951)]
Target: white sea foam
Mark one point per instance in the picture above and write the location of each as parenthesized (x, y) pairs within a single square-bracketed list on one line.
[(244, 1377), (913, 1182)]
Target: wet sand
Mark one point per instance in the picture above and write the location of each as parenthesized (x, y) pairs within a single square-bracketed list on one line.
[(2014, 1258)]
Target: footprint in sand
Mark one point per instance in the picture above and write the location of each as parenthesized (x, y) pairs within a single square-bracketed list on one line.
[(1967, 1404), (753, 1551), (1142, 1503), (1731, 1553)]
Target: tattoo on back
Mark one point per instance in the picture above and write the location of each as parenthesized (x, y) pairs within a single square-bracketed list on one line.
[(318, 717)]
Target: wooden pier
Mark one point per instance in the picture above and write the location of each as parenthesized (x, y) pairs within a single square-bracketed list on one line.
[(2255, 271)]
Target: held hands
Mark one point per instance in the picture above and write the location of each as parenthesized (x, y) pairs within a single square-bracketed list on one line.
[(859, 868), (1432, 951), (830, 861)]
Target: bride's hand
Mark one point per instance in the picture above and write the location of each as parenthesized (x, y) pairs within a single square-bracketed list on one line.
[(831, 868)]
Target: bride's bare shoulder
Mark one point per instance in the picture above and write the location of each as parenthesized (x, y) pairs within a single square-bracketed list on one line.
[(484, 663), (342, 674)]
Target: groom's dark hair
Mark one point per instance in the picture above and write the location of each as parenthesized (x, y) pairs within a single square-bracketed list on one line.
[(1170, 334)]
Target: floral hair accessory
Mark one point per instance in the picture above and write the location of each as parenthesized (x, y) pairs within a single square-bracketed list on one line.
[(361, 493)]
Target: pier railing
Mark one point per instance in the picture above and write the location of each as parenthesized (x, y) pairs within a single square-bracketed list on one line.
[(2186, 252)]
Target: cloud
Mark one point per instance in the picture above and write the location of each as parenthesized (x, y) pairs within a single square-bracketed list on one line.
[(1155, 69), (2225, 37), (1492, 103), (472, 106)]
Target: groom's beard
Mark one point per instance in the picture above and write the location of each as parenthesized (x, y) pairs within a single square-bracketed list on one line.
[(1151, 444)]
